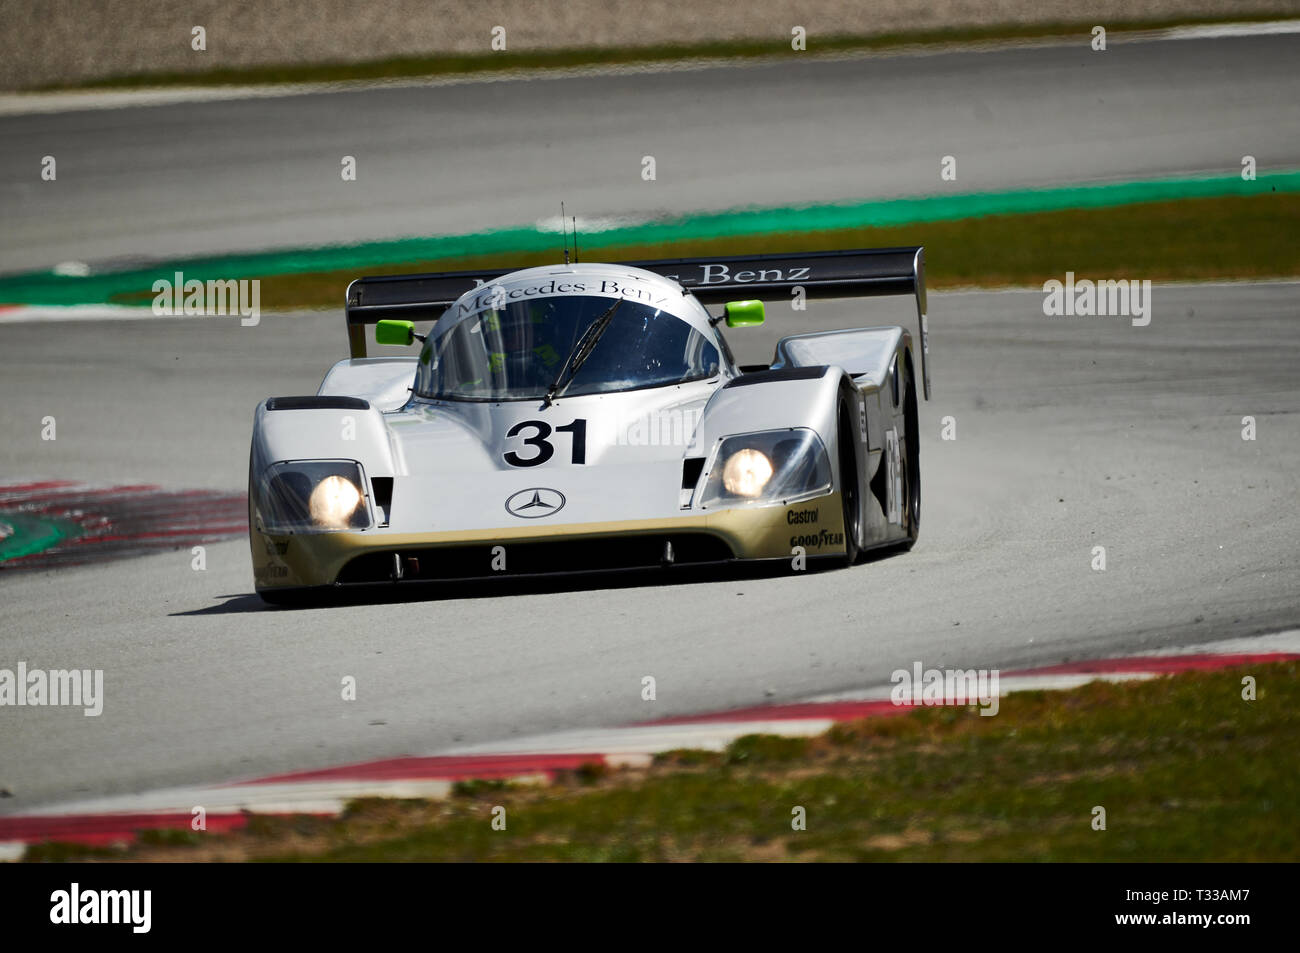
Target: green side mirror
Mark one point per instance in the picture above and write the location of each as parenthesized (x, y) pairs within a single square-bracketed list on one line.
[(744, 314), (400, 333)]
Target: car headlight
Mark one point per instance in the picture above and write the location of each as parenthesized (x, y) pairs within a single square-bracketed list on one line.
[(313, 496), (333, 502), (746, 472), (786, 465)]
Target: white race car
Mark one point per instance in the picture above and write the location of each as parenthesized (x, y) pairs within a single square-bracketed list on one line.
[(584, 417)]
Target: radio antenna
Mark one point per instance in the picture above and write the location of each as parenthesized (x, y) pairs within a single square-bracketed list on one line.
[(564, 231), (575, 238)]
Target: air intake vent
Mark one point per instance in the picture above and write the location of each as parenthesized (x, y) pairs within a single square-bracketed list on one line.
[(317, 403), (537, 558), (691, 468), (383, 496), (779, 374)]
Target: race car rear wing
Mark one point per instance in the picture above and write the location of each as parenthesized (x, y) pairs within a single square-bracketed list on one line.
[(863, 272)]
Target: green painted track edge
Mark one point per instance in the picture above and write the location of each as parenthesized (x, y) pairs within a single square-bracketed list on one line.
[(33, 534), (47, 288)]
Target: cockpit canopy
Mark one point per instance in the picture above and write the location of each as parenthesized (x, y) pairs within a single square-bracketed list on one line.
[(515, 350)]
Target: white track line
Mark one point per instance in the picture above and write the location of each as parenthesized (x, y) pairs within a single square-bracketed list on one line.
[(1223, 31), (1288, 641), (23, 314)]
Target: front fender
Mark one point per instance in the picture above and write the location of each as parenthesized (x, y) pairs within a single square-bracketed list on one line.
[(772, 400), (322, 428)]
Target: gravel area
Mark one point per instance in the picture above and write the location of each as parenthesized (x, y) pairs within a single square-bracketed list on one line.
[(58, 41)]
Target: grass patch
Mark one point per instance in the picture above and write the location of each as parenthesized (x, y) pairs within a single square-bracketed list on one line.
[(1185, 768), (1189, 239), (765, 749), (513, 60), (475, 787), (60, 852), (170, 837)]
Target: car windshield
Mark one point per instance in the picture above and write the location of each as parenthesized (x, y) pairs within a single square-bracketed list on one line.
[(517, 352)]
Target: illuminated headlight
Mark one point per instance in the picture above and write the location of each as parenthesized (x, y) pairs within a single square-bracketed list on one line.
[(766, 467), (746, 472), (333, 502), (315, 496)]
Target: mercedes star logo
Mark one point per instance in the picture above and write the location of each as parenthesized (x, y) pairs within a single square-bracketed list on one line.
[(535, 502)]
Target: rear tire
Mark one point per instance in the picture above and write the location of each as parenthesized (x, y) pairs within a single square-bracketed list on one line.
[(850, 486), (911, 453)]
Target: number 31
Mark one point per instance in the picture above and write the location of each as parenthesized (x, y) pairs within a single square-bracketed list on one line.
[(541, 430)]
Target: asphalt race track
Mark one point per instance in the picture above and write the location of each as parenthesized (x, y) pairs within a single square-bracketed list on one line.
[(1071, 433), (254, 173)]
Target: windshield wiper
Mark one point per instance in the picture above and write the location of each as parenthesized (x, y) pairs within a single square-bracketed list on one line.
[(581, 351)]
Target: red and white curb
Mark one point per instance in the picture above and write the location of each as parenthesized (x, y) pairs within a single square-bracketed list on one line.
[(119, 521), (116, 820)]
